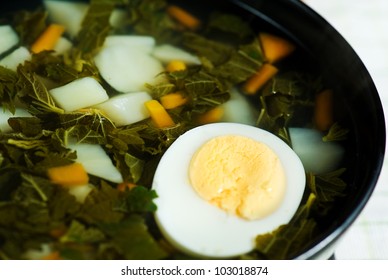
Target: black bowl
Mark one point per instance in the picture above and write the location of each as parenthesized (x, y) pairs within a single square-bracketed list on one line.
[(361, 106), (320, 49)]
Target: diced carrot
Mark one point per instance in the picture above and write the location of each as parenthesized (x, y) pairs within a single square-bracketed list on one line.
[(158, 114), (275, 47), (260, 78), (184, 17), (58, 232), (125, 185), (52, 256), (68, 175), (323, 113), (173, 100), (48, 39), (211, 116), (176, 65)]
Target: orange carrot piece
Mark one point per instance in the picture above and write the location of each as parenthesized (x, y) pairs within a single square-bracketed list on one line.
[(173, 100), (260, 78), (68, 175), (58, 232), (124, 186), (176, 65), (184, 17), (323, 112), (52, 256), (211, 116), (158, 114), (48, 39), (274, 47)]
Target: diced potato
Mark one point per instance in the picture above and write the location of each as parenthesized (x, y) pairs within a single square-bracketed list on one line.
[(5, 115), (316, 155), (62, 46), (15, 58), (38, 254), (126, 108), (238, 109), (80, 192), (81, 93), (67, 13), (166, 53), (144, 43), (9, 38), (118, 18), (96, 161), (127, 69), (71, 13)]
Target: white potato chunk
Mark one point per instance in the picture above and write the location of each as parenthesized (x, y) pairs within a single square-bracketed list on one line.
[(238, 109), (5, 115), (38, 254), (78, 94), (9, 38), (80, 192), (166, 53), (127, 69), (15, 58), (118, 18), (144, 43), (126, 108), (316, 155), (68, 14), (63, 45), (96, 161), (71, 14)]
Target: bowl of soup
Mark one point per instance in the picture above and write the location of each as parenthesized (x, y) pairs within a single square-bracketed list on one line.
[(181, 130)]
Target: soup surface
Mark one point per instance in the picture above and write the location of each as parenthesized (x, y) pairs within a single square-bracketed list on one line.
[(93, 95)]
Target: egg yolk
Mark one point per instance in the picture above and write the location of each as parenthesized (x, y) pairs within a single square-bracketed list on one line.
[(239, 175)]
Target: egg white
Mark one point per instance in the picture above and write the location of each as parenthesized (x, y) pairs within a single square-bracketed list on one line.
[(200, 229)]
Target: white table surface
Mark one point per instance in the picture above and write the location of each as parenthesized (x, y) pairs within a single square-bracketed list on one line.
[(364, 24)]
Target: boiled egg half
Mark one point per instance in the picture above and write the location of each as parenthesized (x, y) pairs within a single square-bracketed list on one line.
[(220, 185)]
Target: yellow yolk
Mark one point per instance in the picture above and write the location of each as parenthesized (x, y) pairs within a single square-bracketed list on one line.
[(239, 175)]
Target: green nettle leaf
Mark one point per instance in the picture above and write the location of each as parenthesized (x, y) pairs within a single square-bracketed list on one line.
[(328, 188), (284, 96), (161, 89), (27, 144), (35, 94), (79, 233), (98, 206), (8, 91), (29, 126), (336, 133), (291, 238), (131, 238), (135, 166), (86, 125), (137, 200), (215, 52), (78, 133), (63, 205), (60, 70), (130, 134), (95, 27), (228, 24), (29, 25), (148, 17)]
